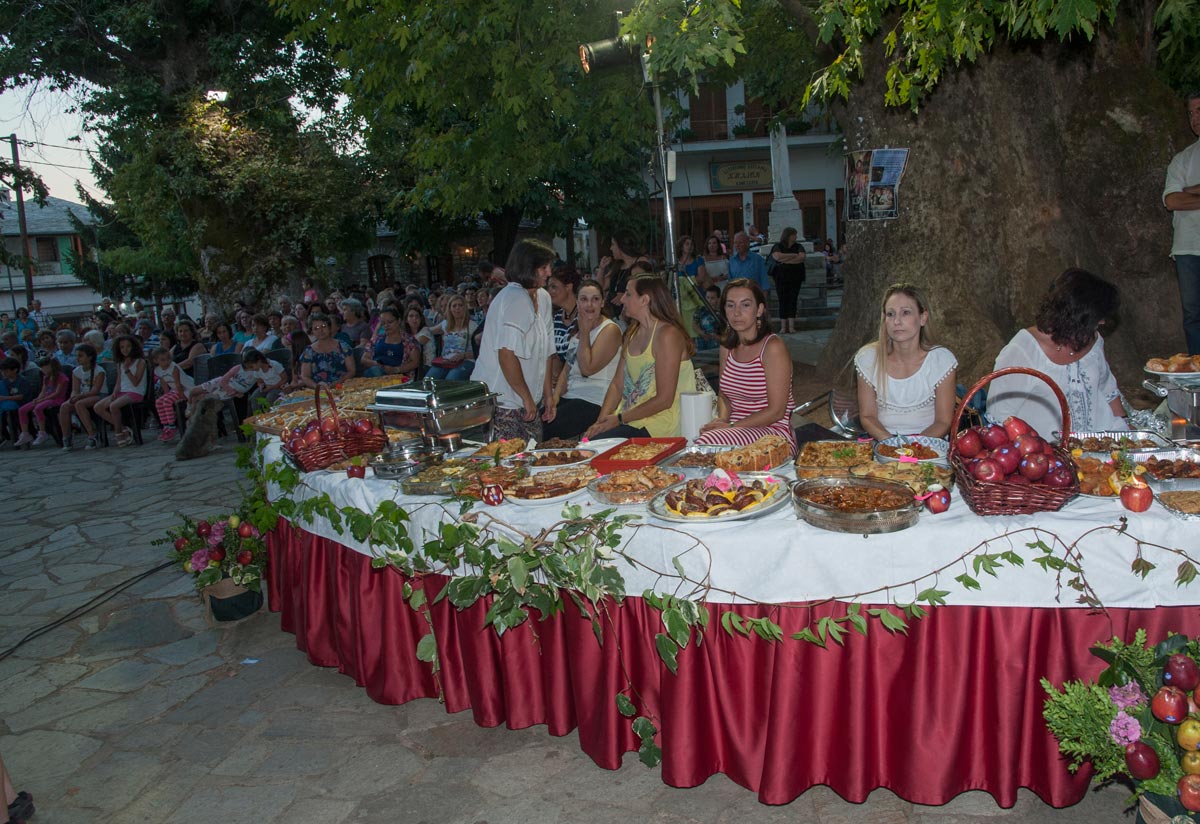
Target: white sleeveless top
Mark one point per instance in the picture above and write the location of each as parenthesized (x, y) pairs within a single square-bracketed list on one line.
[(907, 405), (593, 387)]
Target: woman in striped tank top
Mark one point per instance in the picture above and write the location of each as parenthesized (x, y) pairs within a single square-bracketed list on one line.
[(756, 374)]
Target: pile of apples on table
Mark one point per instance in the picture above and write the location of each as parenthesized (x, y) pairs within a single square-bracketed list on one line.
[(314, 431), (1013, 453)]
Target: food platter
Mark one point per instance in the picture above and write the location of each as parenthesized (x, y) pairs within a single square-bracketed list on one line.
[(901, 442), (917, 476), (1180, 378), (778, 497), (695, 460), (1189, 487), (874, 522), (530, 490), (1137, 441), (1169, 465), (538, 460), (819, 459), (634, 453), (558, 499), (656, 479)]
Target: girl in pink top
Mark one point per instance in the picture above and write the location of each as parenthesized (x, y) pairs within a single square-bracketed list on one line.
[(55, 386), (756, 374)]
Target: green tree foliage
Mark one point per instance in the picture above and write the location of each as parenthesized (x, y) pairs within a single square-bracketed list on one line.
[(233, 197), (484, 107), (922, 40)]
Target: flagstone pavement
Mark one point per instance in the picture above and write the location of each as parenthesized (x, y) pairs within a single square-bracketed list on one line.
[(139, 711)]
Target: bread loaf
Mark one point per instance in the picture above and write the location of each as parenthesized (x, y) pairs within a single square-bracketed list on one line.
[(768, 451)]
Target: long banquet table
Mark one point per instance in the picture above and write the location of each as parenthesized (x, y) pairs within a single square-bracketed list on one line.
[(954, 705)]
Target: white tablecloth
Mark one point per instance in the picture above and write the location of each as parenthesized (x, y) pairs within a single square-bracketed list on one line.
[(777, 558)]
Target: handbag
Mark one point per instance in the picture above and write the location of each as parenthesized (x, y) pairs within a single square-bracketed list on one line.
[(445, 363)]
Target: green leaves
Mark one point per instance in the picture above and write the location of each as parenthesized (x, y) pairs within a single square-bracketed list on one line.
[(427, 649), (668, 651), (649, 752)]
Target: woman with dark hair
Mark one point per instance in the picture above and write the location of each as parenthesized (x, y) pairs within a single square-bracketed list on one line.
[(714, 263), (1065, 345), (685, 257), (23, 322), (562, 287), (590, 363), (188, 348), (263, 340), (396, 353), (905, 382), (326, 360), (756, 374), (223, 342), (656, 366), (518, 344), (614, 271), (788, 256)]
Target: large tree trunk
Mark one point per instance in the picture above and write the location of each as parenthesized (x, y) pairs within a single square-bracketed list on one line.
[(505, 224), (1032, 161)]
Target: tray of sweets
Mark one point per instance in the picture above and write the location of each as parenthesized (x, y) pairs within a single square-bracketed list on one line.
[(635, 453), (826, 459), (694, 501), (1181, 498), (1168, 465), (694, 460), (1111, 440), (627, 487), (444, 478)]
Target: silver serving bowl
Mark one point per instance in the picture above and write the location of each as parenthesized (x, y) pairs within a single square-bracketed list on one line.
[(864, 523)]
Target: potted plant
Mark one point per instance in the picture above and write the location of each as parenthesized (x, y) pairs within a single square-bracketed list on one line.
[(1140, 718), (225, 557)]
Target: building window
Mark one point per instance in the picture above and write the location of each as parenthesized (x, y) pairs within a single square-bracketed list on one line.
[(381, 272), (758, 117), (47, 250), (707, 114)]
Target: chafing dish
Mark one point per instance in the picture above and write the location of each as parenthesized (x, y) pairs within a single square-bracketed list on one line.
[(435, 407), (1183, 404)]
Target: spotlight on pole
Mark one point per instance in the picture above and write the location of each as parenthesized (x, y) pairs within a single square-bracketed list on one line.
[(618, 50)]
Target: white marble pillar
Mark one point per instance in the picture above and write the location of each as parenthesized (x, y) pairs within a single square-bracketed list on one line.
[(785, 211)]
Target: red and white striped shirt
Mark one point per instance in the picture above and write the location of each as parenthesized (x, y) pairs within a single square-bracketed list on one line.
[(744, 386)]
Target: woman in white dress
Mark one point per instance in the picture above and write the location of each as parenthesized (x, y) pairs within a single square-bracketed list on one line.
[(714, 264), (1065, 345), (905, 382)]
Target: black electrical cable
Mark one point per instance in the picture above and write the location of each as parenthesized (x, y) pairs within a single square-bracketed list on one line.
[(83, 609)]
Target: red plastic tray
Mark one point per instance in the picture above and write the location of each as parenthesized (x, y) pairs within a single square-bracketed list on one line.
[(604, 463)]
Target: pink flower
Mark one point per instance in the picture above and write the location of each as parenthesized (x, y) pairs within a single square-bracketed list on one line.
[(218, 533), (722, 480), (1127, 696), (199, 560), (1125, 729)]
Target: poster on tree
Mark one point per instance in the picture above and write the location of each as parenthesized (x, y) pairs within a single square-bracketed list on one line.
[(873, 180)]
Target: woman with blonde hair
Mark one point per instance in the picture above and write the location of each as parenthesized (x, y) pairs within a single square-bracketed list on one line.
[(905, 382), (655, 367)]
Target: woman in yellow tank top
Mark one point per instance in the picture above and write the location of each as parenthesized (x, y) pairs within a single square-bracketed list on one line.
[(643, 398)]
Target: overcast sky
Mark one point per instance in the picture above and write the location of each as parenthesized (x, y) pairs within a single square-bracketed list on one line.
[(42, 118)]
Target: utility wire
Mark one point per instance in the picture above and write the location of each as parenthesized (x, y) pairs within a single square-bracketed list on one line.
[(32, 143), (56, 165), (83, 609)]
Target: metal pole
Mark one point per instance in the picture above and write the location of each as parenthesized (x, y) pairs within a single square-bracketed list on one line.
[(16, 157), (668, 205)]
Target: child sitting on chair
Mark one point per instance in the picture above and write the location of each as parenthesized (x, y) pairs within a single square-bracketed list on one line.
[(256, 371)]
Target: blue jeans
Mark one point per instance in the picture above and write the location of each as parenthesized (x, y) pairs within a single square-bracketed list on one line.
[(1188, 269), (462, 372)]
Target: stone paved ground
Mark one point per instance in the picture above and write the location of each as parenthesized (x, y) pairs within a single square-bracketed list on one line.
[(141, 712)]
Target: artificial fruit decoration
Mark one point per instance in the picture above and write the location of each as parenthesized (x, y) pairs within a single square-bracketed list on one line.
[(1169, 705), (204, 529), (245, 530), (492, 495), (1190, 763)]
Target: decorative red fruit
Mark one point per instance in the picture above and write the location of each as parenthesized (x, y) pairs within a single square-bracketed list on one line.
[(938, 500), (245, 557), (987, 471), (968, 443), (1014, 427), (1169, 705), (329, 425), (1137, 498), (1181, 672), (180, 544), (994, 436), (1141, 760), (1034, 466), (296, 443), (1189, 792), (245, 530), (217, 554), (203, 529)]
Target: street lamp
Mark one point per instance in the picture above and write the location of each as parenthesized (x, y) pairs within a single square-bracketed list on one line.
[(216, 95)]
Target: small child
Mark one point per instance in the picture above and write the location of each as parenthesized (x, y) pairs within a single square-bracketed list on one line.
[(256, 371), (55, 386), (175, 384), (10, 396), (130, 388), (709, 322)]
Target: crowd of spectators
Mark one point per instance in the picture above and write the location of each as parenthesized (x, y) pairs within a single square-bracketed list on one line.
[(63, 385)]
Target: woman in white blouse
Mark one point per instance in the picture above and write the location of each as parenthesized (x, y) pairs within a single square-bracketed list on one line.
[(1065, 345), (905, 383), (592, 356)]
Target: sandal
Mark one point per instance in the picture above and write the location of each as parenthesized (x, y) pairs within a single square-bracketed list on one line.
[(125, 438), (22, 809)]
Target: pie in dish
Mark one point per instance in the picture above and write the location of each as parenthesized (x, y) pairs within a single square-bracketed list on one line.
[(638, 452), (833, 454), (553, 484), (767, 452)]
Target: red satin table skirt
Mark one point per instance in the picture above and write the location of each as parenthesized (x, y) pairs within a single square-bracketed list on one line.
[(953, 706)]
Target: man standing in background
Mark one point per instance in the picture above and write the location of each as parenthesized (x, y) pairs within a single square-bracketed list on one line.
[(1182, 196)]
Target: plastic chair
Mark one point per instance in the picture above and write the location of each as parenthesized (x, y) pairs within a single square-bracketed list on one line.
[(133, 415), (282, 356)]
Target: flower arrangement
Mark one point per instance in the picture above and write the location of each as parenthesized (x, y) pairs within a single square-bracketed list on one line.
[(1140, 718), (217, 548)]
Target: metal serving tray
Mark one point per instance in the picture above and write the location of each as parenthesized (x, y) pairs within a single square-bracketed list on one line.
[(672, 462), (1132, 434), (1177, 454), (1179, 485), (863, 523)]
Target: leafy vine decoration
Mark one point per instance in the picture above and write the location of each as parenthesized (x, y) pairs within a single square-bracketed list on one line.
[(574, 560)]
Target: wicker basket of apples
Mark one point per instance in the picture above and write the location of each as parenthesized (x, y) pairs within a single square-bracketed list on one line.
[(327, 438), (1009, 469)]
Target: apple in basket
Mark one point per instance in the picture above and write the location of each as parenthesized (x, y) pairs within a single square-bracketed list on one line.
[(363, 425), (1025, 444), (1014, 427), (329, 425), (1059, 478), (968, 443), (1034, 466), (987, 470), (1008, 458), (994, 436), (312, 437), (296, 443)]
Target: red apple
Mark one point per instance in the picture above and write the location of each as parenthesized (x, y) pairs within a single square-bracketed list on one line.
[(363, 425), (1189, 792), (180, 544), (1018, 479), (987, 471), (1059, 478), (1008, 458), (1141, 760), (245, 557), (1027, 443), (356, 471), (217, 554), (203, 529), (312, 437), (1048, 449), (1034, 466), (1014, 426), (1137, 498), (1169, 705), (310, 425), (296, 443), (345, 427), (1181, 671), (328, 425), (245, 530), (994, 436), (968, 443), (939, 501)]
